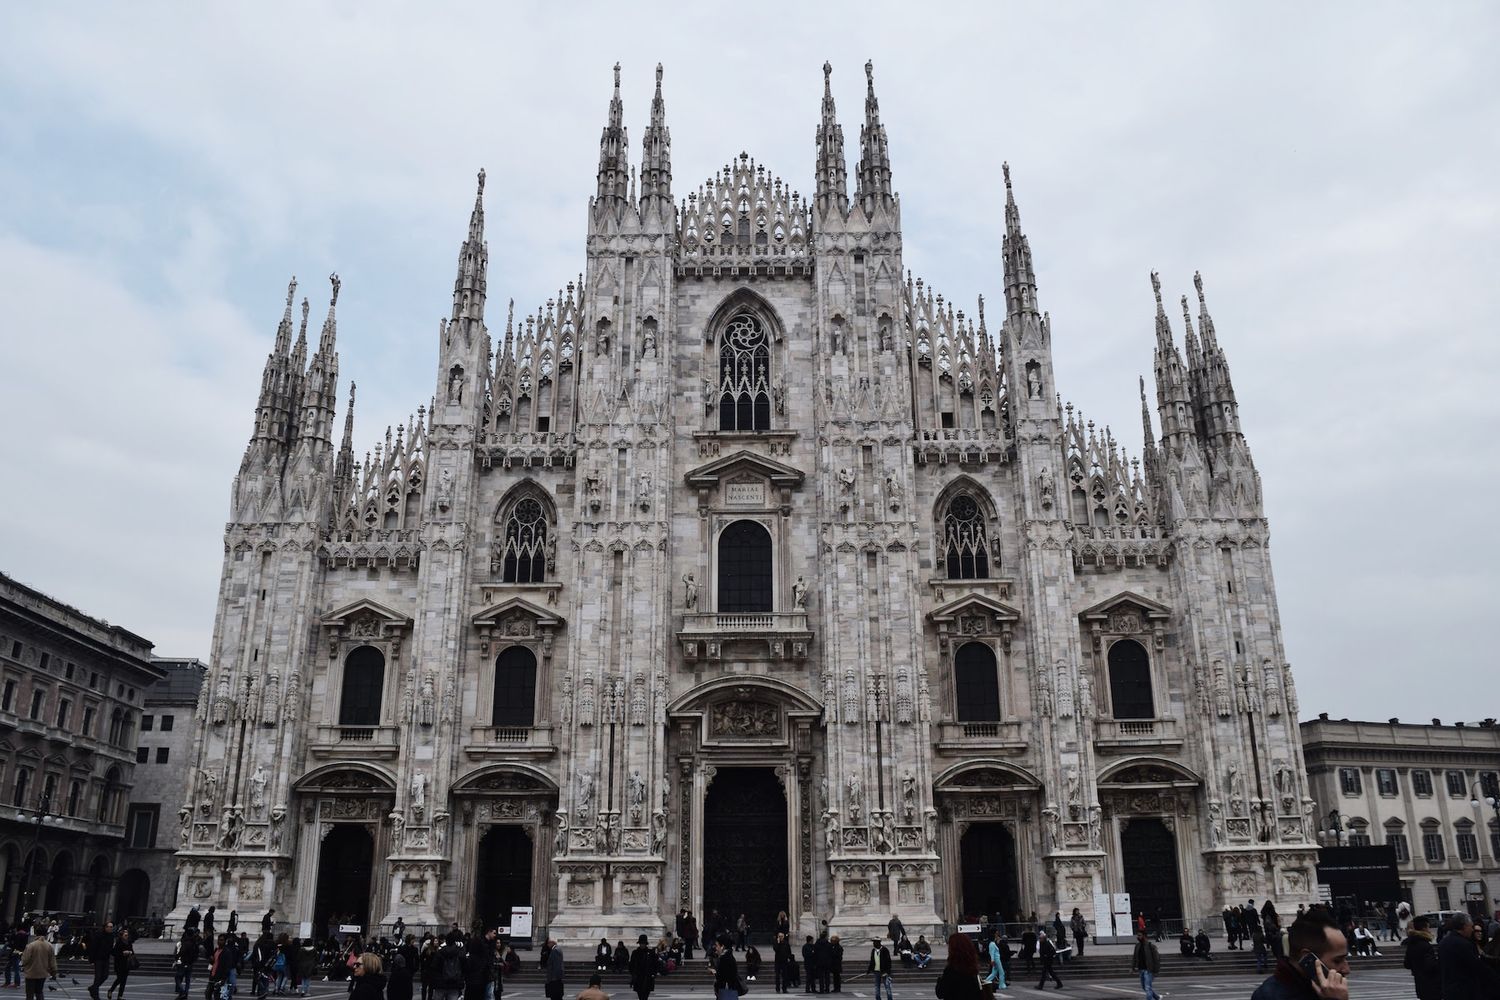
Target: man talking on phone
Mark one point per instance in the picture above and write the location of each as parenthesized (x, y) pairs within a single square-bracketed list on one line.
[(1317, 964)]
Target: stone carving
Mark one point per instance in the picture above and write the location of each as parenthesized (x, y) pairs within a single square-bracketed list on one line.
[(744, 719), (586, 703), (426, 700), (1096, 826), (690, 591), (560, 838), (1073, 789), (258, 790), (857, 893), (894, 491), (1215, 824), (1064, 691), (658, 831), (229, 829), (1043, 690), (855, 789), (593, 491), (1221, 690), (278, 816), (1085, 697), (1241, 692), (585, 794), (1051, 830), (398, 827), (636, 791), (1286, 786), (830, 830), (1200, 687), (1289, 690), (208, 790), (1235, 782), (799, 594), (1033, 381), (638, 702), (184, 827), (1047, 488), (846, 479), (418, 796), (908, 796), (852, 697), (270, 700), (930, 828), (1272, 678), (643, 491), (222, 701), (580, 893)]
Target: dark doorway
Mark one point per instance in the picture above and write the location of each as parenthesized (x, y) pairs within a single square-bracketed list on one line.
[(502, 876), (744, 847), (1149, 860), (54, 895), (345, 866), (991, 886), (745, 568), (133, 895)]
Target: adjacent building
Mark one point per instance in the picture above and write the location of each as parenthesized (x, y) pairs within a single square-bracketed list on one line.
[(746, 574), (1429, 791), (148, 880), (71, 693)]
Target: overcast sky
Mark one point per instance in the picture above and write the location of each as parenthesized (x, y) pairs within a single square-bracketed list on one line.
[(1330, 168)]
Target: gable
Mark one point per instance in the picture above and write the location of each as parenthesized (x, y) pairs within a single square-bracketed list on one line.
[(743, 463)]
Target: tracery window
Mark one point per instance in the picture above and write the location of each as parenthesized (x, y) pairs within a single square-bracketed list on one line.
[(744, 376), (965, 541), (523, 554), (515, 688)]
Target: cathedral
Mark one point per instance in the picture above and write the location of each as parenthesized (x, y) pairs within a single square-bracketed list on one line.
[(745, 575)]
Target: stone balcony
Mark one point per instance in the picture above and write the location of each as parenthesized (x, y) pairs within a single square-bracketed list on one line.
[(1130, 735), (510, 742), (1008, 737), (366, 741), (711, 635)]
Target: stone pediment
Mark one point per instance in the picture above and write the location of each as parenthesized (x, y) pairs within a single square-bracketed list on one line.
[(1122, 601), (743, 461), (973, 604), (517, 607), (516, 618), (366, 610)]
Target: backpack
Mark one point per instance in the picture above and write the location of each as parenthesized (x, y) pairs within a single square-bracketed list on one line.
[(451, 966)]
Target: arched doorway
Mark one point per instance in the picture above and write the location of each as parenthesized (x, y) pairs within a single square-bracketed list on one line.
[(134, 896), (991, 884), (745, 568), (96, 888), (745, 846), (345, 867), (1148, 861), (57, 893), (502, 875)]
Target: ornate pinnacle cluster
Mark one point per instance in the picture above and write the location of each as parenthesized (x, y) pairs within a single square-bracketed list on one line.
[(296, 399), (1020, 277), (873, 191)]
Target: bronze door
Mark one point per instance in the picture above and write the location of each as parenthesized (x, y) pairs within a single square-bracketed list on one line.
[(745, 848)]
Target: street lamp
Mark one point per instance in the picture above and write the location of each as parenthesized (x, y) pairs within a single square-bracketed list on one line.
[(42, 813), (1335, 824)]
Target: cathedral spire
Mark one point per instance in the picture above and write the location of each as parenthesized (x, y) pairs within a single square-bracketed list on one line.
[(614, 156), (1020, 278), (343, 471), (284, 330), (833, 185), (873, 180), (1220, 410), (656, 158), (328, 340), (473, 265)]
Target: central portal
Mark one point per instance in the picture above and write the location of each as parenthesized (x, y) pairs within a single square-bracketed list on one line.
[(745, 848)]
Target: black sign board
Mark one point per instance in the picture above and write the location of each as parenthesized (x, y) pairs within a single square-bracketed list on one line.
[(1363, 873)]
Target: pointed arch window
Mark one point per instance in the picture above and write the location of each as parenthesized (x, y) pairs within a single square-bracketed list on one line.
[(744, 375), (1130, 681), (523, 554), (965, 539), (515, 688)]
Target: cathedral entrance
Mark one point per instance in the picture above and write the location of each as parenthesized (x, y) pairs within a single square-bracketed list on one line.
[(345, 866), (1148, 860), (990, 883), (745, 847), (502, 874)]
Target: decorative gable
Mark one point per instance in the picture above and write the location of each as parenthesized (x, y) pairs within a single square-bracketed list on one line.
[(365, 621), (516, 618), (975, 615)]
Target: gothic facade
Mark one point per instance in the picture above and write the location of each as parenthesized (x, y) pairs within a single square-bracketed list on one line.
[(746, 573)]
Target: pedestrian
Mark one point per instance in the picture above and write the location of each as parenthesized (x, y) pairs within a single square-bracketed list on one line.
[(603, 955), (781, 955), (101, 947), (742, 928), (1080, 931), (208, 926), (554, 977), (727, 985), (809, 967), (265, 922), (1146, 960), (1422, 961), (1202, 945), (894, 928), (16, 942), (879, 966), (643, 968), (1028, 946), (193, 919), (305, 963), (960, 978), (38, 964), (1313, 937), (448, 970), (124, 960), (921, 953), (594, 990), (399, 985), (1047, 952), (1231, 928), (1466, 976), (1258, 942), (367, 978), (996, 978), (822, 957), (836, 963)]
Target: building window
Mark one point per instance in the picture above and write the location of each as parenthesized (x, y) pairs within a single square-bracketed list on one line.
[(140, 828), (1457, 787), (18, 794), (1442, 895), (1432, 848), (1494, 840), (1349, 780), (966, 550), (745, 565), (88, 721), (147, 722), (94, 679), (1359, 839), (1489, 783), (524, 549), (119, 729), (68, 670), (75, 797), (38, 696), (1385, 780), (1397, 841), (161, 755), (166, 723), (64, 710), (1130, 681), (110, 798), (44, 662), (364, 682), (744, 376), (15, 650), (515, 688), (976, 683), (1468, 845), (8, 698), (1421, 782), (142, 755)]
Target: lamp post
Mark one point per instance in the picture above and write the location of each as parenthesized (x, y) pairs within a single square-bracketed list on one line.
[(41, 814), (1335, 824), (1479, 800)]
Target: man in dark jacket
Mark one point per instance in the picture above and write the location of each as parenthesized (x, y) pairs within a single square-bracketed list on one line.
[(448, 968), (879, 967), (1147, 961), (183, 961), (822, 959), (836, 963), (809, 966), (101, 948), (1312, 934), (478, 968), (1422, 961), (1047, 952), (554, 977), (1466, 976), (643, 968)]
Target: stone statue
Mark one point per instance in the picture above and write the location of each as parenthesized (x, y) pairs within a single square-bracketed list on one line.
[(1215, 824), (856, 791), (1200, 685), (1085, 697), (1064, 691), (418, 795), (1290, 690), (456, 386), (1242, 693), (1236, 784), (592, 491), (846, 481), (585, 794), (220, 713), (270, 700), (1096, 826), (440, 832), (426, 700), (1273, 688), (398, 829), (690, 591), (894, 491), (1073, 787), (278, 816), (560, 839), (1052, 829), (799, 594), (823, 793), (208, 790), (643, 491), (648, 341), (184, 826), (258, 790), (710, 395), (908, 796), (1043, 690), (830, 830), (637, 789), (1033, 381), (930, 827), (778, 394), (1047, 486), (229, 829), (658, 831), (1221, 691)]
